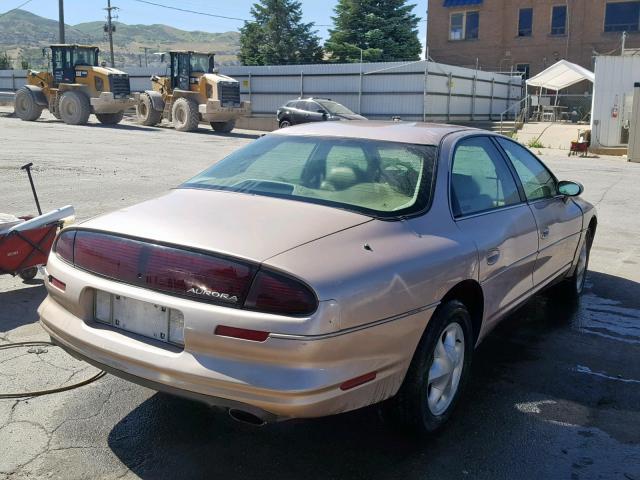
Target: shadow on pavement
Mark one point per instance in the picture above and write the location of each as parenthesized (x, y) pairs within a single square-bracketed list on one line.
[(525, 402), (18, 306)]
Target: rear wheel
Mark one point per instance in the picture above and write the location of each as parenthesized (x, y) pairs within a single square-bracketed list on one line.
[(147, 115), (438, 372), (223, 127), (185, 115), (110, 118), (74, 108), (26, 107), (28, 273)]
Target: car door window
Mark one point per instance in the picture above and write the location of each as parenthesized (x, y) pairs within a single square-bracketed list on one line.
[(537, 180), (480, 179)]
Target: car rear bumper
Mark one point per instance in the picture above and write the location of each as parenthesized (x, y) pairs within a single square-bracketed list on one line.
[(286, 376)]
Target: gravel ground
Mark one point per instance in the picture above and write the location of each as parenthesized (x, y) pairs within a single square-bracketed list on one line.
[(555, 390)]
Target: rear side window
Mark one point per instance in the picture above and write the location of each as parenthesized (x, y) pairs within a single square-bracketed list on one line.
[(480, 180), (537, 180)]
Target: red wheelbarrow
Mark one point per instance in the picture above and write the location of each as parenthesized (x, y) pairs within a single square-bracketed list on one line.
[(25, 242)]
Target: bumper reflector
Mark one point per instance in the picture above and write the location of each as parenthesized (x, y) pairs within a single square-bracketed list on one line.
[(354, 382), (57, 283), (242, 333)]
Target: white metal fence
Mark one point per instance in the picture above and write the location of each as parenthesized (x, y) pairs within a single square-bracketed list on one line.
[(411, 90)]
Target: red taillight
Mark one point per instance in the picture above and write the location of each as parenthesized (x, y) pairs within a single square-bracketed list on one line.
[(243, 333), (275, 293), (186, 273), (166, 269), (64, 245)]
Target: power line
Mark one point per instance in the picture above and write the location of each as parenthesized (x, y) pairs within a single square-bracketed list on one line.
[(192, 11), (16, 8)]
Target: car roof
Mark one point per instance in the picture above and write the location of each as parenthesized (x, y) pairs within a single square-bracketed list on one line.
[(404, 132)]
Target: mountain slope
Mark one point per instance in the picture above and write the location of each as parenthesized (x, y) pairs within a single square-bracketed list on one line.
[(24, 34)]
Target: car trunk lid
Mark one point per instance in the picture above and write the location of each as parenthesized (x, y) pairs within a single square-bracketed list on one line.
[(251, 227)]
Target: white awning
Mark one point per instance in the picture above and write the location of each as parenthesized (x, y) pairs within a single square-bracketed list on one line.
[(561, 75)]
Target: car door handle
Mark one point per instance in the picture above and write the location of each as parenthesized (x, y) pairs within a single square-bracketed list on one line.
[(544, 233), (493, 256)]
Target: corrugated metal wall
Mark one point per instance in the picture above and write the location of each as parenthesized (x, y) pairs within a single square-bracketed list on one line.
[(412, 91), (612, 94)]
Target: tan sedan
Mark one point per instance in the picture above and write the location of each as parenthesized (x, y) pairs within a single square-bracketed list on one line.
[(320, 269)]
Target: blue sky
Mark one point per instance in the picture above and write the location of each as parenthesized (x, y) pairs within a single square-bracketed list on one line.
[(78, 11)]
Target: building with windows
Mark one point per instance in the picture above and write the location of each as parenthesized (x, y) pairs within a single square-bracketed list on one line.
[(529, 35)]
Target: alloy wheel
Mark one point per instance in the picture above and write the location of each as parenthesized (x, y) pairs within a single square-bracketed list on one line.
[(446, 368), (581, 268)]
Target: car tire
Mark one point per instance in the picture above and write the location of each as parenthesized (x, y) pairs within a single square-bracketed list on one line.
[(147, 115), (185, 115), (26, 107), (442, 359), (285, 123), (28, 273), (74, 108), (110, 118), (573, 286), (223, 127)]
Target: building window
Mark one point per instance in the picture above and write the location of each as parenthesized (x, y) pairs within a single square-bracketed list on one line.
[(464, 26), (559, 20), (525, 22), (622, 16), (524, 69)]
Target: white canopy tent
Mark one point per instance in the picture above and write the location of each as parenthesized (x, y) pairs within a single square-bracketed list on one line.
[(561, 74)]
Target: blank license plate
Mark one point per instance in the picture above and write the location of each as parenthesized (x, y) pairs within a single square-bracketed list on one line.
[(142, 318)]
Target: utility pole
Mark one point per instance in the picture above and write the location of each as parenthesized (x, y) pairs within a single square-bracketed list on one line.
[(110, 29), (61, 21), (426, 33), (146, 61)]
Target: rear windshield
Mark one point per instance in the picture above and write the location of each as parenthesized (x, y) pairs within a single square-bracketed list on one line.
[(381, 179)]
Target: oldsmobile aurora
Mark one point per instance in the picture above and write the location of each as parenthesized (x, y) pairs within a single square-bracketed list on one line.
[(320, 269)]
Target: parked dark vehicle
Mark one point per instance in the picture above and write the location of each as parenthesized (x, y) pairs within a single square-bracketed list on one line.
[(305, 110)]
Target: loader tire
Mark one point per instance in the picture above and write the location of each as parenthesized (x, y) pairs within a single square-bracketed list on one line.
[(26, 107), (147, 115), (185, 115), (74, 108), (224, 127), (110, 118)]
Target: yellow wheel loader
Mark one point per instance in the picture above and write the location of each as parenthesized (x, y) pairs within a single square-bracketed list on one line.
[(75, 88), (192, 93)]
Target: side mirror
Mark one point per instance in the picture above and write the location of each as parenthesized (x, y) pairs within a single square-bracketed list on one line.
[(570, 189)]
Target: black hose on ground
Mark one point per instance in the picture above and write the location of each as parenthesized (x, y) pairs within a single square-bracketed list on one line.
[(39, 393)]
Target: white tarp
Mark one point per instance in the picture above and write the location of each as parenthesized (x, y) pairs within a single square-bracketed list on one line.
[(561, 75)]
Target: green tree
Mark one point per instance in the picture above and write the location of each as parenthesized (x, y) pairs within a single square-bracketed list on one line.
[(384, 30), (278, 35), (5, 61)]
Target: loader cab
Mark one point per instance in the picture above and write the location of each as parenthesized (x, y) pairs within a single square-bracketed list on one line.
[(65, 59), (187, 66)]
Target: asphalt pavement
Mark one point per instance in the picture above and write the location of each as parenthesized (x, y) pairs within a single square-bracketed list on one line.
[(554, 392)]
